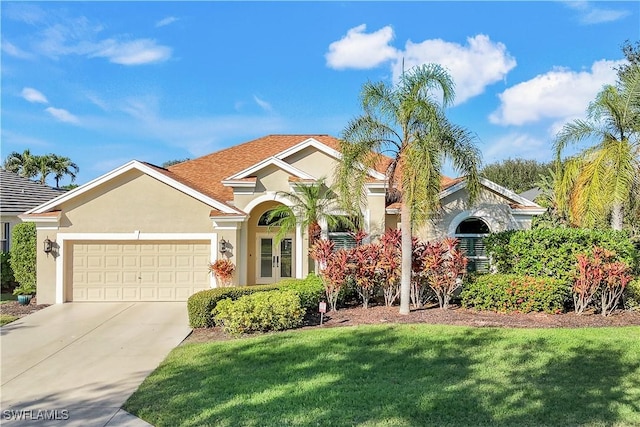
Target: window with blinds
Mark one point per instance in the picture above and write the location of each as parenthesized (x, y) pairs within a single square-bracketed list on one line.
[(471, 233)]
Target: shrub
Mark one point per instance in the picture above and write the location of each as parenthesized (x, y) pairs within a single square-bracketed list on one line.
[(6, 272), (631, 295), (510, 292), (552, 252), (259, 312), (200, 304), (310, 290), (23, 255), (598, 273), (444, 268)]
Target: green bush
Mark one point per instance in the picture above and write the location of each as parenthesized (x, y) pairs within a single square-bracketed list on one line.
[(23, 256), (510, 292), (551, 252), (310, 291), (200, 304), (259, 312), (6, 273), (631, 295)]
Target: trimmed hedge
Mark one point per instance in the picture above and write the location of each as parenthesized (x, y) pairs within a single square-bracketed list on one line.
[(551, 252), (23, 259), (259, 312), (201, 304), (509, 292)]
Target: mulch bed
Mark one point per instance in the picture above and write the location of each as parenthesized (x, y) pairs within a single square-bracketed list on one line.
[(14, 308), (455, 315)]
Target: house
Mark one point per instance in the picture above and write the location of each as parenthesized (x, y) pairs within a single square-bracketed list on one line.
[(141, 232), (18, 195)]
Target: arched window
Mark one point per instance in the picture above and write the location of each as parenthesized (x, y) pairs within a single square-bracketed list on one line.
[(471, 233)]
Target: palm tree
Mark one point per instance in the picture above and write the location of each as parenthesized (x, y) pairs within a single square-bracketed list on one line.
[(24, 164), (408, 121), (62, 166), (597, 183), (309, 205)]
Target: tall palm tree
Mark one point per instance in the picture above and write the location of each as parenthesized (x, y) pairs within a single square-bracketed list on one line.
[(62, 166), (597, 183), (408, 122), (310, 204), (24, 164)]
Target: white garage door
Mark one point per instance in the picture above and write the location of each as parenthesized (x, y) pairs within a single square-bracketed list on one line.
[(138, 271)]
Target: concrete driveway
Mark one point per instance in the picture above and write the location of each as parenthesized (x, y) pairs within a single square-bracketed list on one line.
[(76, 364)]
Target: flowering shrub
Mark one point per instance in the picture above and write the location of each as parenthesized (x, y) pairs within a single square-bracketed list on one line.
[(511, 292), (223, 269)]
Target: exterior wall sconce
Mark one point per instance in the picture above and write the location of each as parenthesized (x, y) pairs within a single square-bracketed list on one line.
[(223, 246), (48, 246)]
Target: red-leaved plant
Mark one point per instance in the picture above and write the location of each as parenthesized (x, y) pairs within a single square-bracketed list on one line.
[(599, 273), (223, 269), (444, 266)]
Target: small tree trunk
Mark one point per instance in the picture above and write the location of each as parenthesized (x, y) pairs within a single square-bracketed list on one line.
[(617, 216), (405, 277)]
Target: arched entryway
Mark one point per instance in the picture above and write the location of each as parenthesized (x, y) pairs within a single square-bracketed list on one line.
[(269, 260), (471, 232)]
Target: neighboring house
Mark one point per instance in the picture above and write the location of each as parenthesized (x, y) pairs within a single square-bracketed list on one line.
[(141, 232), (18, 195)]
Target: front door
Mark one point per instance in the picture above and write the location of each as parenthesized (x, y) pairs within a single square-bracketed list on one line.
[(274, 261)]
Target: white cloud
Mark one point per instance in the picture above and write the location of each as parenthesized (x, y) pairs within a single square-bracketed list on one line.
[(589, 14), (12, 50), (558, 94), (518, 145), (33, 95), (166, 21), (472, 67), (62, 115), (136, 52), (361, 50), (263, 104)]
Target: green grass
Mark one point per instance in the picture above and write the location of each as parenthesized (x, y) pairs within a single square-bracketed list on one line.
[(400, 375), (7, 318)]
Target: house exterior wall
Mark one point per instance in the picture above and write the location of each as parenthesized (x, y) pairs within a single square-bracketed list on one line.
[(489, 206), (131, 202)]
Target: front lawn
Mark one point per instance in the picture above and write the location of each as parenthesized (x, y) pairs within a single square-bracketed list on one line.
[(7, 318), (400, 375)]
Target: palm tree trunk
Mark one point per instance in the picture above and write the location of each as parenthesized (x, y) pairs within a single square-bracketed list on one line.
[(617, 216), (405, 278)]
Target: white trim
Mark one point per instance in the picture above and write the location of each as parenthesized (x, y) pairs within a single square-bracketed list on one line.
[(479, 213), (506, 193), (310, 142), (271, 161), (135, 236), (299, 259), (134, 164)]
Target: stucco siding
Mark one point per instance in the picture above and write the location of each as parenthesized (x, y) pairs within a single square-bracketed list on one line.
[(315, 163), (134, 201)]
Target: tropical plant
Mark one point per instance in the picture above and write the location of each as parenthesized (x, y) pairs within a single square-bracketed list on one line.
[(445, 265), (30, 166), (223, 269), (596, 184), (61, 167), (309, 205), (408, 121), (24, 164)]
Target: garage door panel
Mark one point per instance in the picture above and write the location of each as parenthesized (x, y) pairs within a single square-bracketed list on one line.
[(134, 271)]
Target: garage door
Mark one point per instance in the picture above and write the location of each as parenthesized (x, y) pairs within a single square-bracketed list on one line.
[(138, 271)]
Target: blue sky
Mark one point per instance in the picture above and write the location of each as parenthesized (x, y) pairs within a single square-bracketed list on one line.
[(107, 82)]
